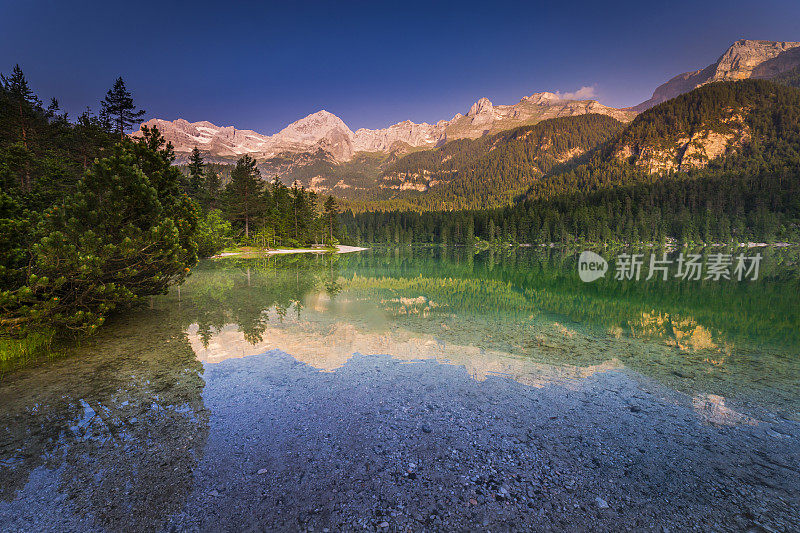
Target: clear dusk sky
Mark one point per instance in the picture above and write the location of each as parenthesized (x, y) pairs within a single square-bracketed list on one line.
[(261, 65)]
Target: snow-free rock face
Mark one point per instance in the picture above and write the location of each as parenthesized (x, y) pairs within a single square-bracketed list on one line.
[(744, 59), (481, 107), (485, 118), (321, 130), (388, 139), (220, 141), (327, 132), (689, 150)]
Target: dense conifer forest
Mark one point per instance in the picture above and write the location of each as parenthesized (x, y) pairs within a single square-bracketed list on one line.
[(488, 171)]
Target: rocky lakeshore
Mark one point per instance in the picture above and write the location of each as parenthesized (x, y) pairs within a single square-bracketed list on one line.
[(386, 445)]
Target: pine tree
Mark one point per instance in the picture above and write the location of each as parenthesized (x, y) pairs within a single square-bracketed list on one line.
[(196, 167), (17, 85), (118, 106), (53, 108), (469, 235), (108, 243), (212, 187), (330, 209), (244, 192), (90, 138), (25, 104)]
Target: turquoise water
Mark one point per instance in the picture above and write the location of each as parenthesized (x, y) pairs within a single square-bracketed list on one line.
[(138, 389), (505, 312)]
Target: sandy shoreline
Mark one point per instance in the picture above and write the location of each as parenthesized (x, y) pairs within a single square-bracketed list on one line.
[(341, 249)]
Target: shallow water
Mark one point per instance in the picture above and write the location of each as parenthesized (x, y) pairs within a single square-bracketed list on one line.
[(291, 392)]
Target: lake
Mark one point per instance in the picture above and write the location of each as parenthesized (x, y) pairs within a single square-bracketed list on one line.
[(419, 389)]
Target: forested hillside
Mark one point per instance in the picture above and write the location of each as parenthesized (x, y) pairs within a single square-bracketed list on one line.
[(492, 170), (752, 126), (750, 191), (790, 78)]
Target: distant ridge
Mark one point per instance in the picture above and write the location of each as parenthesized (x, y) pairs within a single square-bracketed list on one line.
[(324, 131)]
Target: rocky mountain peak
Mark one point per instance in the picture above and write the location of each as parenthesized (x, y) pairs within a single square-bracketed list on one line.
[(318, 130), (746, 58), (481, 107), (541, 98), (756, 59), (316, 125), (324, 131)]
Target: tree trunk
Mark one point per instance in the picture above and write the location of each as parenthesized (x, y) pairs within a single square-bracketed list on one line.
[(247, 213), (26, 179)]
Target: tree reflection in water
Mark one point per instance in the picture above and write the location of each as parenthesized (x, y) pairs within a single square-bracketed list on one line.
[(728, 336)]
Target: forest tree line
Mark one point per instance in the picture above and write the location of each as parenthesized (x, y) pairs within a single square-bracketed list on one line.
[(741, 208), (248, 210)]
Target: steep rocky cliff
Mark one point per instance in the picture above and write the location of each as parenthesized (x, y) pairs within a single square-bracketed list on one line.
[(690, 150)]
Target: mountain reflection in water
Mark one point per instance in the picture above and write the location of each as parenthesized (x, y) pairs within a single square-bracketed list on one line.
[(523, 314)]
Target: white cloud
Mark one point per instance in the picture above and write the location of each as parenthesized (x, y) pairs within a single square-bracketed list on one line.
[(584, 93)]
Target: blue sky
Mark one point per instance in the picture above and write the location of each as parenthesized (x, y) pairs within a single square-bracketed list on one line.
[(261, 65)]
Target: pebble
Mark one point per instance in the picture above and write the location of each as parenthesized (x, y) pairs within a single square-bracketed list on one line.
[(601, 503), (263, 471)]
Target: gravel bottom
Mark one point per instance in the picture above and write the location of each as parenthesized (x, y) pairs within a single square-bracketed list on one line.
[(385, 445)]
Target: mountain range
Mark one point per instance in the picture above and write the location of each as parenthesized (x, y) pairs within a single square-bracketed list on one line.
[(321, 152), (326, 132)]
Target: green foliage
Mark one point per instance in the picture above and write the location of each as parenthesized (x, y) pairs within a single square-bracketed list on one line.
[(243, 194), (196, 178), (330, 210), (108, 244), (214, 233), (87, 226), (15, 351), (277, 215)]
